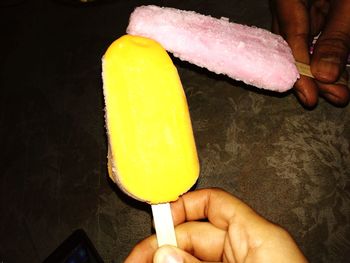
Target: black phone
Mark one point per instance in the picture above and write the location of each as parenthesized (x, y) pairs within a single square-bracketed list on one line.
[(77, 248)]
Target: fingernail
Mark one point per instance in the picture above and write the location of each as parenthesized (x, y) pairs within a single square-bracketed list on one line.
[(328, 67), (167, 255), (331, 59)]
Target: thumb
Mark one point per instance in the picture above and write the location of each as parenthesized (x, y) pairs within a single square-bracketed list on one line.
[(329, 58), (170, 254), (332, 48)]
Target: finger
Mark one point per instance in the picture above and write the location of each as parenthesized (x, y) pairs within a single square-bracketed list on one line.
[(338, 95), (306, 91), (216, 205), (201, 239), (294, 27), (209, 243), (143, 252), (332, 48), (173, 254)]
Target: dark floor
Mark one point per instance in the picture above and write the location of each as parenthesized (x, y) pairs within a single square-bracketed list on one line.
[(290, 164)]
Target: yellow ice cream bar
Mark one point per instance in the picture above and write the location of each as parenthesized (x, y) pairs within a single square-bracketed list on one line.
[(152, 153)]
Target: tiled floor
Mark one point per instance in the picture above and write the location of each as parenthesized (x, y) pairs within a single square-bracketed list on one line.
[(290, 164)]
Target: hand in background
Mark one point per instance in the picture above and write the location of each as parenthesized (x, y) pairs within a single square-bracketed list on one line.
[(231, 232), (298, 21)]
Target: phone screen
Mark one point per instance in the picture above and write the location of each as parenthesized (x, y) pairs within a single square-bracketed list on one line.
[(77, 248)]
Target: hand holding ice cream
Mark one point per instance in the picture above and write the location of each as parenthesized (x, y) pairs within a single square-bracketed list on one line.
[(233, 232), (298, 22)]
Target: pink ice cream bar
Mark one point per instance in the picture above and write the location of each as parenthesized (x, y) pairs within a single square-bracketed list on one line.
[(253, 55)]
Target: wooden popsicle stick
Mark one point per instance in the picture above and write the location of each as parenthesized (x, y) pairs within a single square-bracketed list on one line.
[(163, 222), (304, 69)]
